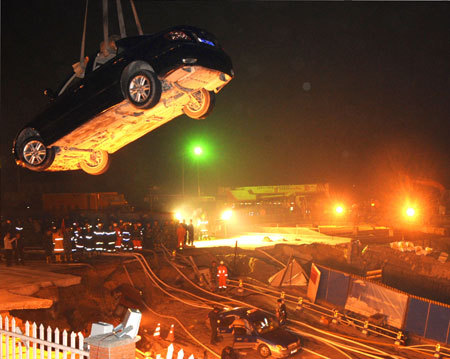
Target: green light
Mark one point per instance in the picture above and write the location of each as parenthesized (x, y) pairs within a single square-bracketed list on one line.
[(198, 151)]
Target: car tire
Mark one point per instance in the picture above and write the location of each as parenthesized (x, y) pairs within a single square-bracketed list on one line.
[(143, 89), (264, 351), (201, 104), (97, 164), (35, 155)]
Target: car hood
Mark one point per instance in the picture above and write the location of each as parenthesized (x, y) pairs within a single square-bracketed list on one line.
[(280, 337)]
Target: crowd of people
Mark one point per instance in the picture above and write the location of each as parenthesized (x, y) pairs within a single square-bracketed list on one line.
[(71, 239)]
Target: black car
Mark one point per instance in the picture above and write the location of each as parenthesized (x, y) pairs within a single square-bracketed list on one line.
[(261, 333), (118, 95)]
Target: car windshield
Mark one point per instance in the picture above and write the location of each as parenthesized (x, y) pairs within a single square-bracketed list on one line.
[(262, 322)]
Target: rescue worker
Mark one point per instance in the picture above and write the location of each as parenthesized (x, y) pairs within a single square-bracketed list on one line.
[(78, 240), (222, 275), (19, 245), (118, 231), (89, 240), (47, 243), (136, 237), (8, 242), (281, 312), (99, 237), (213, 316), (110, 239), (67, 243), (213, 275), (58, 244), (181, 235), (126, 237), (148, 236), (228, 353), (190, 230)]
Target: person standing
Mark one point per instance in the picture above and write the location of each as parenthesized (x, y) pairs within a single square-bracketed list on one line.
[(222, 275), (213, 275), (47, 243), (213, 316), (185, 232), (281, 312), (181, 235), (58, 244), (8, 242), (20, 259), (190, 230)]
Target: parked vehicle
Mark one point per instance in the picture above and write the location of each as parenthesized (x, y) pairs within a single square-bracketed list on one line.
[(261, 333), (112, 100)]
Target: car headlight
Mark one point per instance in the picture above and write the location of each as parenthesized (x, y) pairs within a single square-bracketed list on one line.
[(178, 35), (280, 347)]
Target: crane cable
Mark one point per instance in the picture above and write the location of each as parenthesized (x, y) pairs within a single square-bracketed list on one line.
[(123, 32), (136, 18), (83, 38)]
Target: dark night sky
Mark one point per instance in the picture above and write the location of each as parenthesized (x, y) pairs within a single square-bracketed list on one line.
[(378, 107)]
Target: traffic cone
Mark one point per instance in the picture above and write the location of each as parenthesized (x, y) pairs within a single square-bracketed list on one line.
[(241, 287), (171, 335), (201, 281), (299, 304), (157, 332), (437, 351)]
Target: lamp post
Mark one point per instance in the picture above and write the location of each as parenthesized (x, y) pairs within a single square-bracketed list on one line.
[(198, 151)]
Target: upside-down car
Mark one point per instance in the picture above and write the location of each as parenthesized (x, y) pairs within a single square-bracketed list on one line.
[(145, 82)]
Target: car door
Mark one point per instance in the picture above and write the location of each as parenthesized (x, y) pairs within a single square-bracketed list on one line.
[(83, 98), (245, 339)]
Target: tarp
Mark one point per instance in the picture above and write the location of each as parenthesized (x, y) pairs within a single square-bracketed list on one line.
[(368, 298), (293, 274)]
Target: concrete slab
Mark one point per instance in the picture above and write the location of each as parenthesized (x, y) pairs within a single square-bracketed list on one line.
[(18, 283), (10, 301)]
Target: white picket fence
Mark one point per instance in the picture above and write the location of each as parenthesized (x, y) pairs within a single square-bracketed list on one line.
[(170, 354), (50, 344)]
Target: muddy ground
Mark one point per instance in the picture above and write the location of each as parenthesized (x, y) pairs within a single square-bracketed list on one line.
[(105, 289)]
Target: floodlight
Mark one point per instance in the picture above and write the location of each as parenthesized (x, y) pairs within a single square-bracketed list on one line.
[(226, 215)]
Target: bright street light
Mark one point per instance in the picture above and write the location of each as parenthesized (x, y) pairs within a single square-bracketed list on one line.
[(410, 212), (339, 209), (226, 215), (198, 150)]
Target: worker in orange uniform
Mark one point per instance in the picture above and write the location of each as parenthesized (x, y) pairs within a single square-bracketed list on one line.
[(222, 275), (181, 235), (58, 244), (118, 244), (136, 237)]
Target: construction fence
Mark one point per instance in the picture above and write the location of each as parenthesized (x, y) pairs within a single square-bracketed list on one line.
[(403, 311)]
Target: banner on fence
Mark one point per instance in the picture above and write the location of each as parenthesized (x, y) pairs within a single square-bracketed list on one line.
[(313, 284), (368, 299)]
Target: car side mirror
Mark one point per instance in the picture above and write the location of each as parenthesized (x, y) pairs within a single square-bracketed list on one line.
[(50, 94)]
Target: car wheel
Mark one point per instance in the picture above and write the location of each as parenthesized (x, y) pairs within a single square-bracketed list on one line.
[(97, 164), (35, 155), (264, 351), (143, 89), (201, 104)]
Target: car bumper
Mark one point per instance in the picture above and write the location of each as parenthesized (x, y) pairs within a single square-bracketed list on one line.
[(285, 353)]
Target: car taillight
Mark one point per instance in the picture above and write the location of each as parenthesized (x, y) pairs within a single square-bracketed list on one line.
[(178, 35)]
